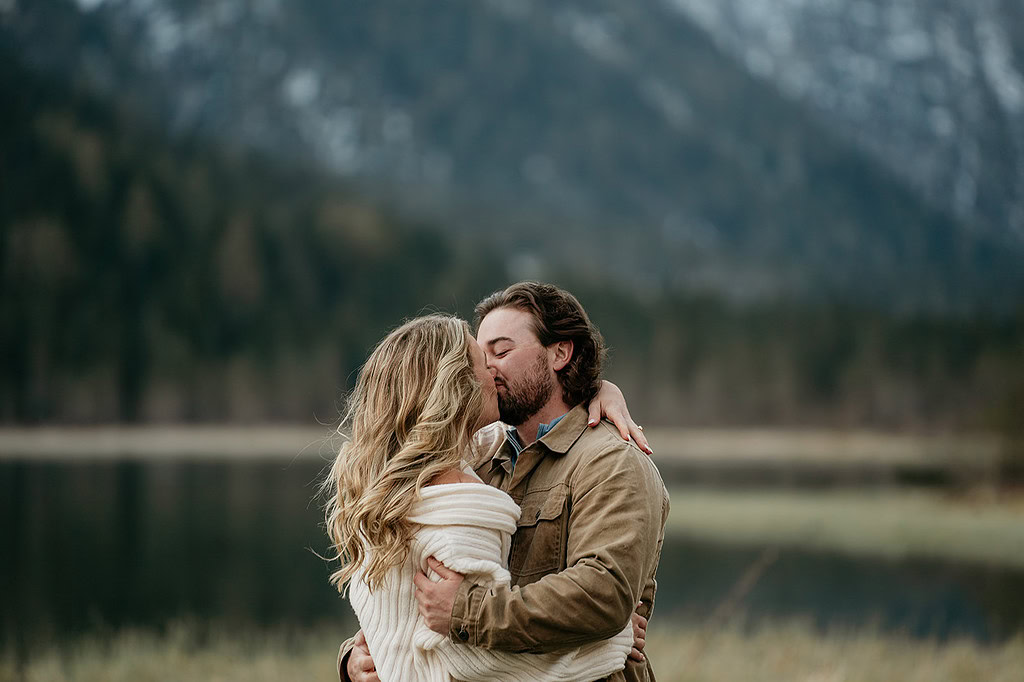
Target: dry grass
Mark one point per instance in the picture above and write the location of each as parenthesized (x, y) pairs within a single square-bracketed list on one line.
[(885, 523), (796, 653), (786, 653), (183, 654)]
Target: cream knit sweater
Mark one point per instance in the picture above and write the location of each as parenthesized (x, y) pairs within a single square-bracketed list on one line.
[(467, 527)]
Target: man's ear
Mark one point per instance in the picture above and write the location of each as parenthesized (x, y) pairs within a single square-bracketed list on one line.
[(562, 354)]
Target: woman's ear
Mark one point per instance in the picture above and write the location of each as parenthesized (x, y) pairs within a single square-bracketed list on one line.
[(562, 354)]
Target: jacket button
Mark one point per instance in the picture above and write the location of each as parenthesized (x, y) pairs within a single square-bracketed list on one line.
[(463, 635)]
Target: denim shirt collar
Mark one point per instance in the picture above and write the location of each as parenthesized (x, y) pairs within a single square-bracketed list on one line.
[(518, 447)]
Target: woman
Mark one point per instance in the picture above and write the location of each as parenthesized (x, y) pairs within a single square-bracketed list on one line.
[(401, 492)]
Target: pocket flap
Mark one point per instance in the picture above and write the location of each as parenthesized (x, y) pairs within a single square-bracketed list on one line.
[(544, 505)]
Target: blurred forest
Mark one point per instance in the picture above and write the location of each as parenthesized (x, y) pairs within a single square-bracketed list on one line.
[(149, 280)]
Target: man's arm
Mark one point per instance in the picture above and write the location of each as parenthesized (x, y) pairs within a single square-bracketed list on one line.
[(614, 528)]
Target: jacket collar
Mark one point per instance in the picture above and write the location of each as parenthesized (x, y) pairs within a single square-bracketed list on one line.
[(557, 442), (567, 431)]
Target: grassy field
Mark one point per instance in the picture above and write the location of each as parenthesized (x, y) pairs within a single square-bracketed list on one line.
[(786, 653), (184, 653), (884, 523), (794, 652)]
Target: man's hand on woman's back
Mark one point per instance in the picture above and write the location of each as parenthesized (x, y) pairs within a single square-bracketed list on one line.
[(360, 667), (639, 636)]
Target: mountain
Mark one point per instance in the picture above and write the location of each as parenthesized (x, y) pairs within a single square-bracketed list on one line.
[(145, 279), (934, 90), (615, 140)]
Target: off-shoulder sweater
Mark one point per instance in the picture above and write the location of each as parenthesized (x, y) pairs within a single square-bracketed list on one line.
[(467, 527)]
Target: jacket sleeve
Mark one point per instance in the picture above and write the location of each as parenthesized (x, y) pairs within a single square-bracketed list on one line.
[(616, 515), (475, 664)]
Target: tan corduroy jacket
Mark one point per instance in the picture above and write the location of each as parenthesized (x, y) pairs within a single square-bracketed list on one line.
[(586, 548)]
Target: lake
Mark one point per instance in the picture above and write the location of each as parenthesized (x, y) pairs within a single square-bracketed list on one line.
[(107, 544)]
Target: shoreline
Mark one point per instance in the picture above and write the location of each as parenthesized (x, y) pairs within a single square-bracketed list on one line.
[(160, 443), (698, 446)]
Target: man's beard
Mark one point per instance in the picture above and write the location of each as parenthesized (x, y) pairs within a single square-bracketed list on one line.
[(524, 398)]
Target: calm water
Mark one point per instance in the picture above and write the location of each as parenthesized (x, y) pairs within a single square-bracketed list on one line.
[(103, 545)]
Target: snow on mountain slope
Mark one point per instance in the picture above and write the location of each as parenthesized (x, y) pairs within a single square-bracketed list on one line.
[(933, 88)]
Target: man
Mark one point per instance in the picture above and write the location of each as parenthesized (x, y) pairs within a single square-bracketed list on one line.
[(594, 507)]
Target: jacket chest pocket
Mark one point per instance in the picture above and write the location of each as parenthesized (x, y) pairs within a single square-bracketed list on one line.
[(538, 546)]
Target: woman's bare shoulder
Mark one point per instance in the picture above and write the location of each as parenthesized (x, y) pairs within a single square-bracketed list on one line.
[(454, 476)]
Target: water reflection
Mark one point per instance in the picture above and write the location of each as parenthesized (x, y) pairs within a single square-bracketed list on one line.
[(922, 598), (131, 543)]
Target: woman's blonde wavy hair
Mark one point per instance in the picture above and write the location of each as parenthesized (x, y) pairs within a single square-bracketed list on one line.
[(410, 417)]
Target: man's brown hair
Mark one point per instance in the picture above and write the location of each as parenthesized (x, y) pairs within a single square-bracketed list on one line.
[(557, 316)]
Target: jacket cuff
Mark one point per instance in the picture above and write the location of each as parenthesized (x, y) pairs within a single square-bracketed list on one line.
[(464, 616)]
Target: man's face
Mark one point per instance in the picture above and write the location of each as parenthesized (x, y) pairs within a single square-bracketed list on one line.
[(523, 374)]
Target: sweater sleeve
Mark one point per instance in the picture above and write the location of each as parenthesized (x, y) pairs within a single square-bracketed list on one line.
[(458, 548)]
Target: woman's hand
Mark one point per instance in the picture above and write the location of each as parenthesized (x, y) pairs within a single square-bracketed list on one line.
[(610, 403)]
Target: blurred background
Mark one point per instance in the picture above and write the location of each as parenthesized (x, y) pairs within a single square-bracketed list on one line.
[(799, 225)]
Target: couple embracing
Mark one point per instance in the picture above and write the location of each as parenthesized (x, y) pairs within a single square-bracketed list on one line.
[(474, 549)]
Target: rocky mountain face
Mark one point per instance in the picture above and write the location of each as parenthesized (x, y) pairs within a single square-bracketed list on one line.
[(935, 90), (623, 140)]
